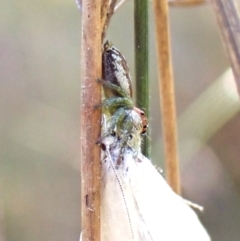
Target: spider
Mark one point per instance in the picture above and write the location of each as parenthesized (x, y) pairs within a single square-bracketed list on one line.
[(125, 118)]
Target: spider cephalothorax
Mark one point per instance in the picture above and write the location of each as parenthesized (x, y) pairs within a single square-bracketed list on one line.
[(125, 119)]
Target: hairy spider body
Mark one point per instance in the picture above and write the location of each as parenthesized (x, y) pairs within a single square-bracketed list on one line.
[(125, 120), (115, 72), (117, 83)]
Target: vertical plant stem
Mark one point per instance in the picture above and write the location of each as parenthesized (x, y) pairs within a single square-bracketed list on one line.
[(90, 119), (107, 11), (141, 60), (167, 98), (228, 18)]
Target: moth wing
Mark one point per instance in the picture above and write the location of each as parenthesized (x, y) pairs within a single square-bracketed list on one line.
[(162, 214), (117, 205), (138, 204)]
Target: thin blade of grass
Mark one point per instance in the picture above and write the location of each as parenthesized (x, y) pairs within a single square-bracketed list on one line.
[(141, 61)]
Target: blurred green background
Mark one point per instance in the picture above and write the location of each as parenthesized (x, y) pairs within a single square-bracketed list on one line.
[(39, 117)]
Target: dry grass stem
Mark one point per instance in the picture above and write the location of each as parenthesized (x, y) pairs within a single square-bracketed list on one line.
[(167, 93), (107, 11), (185, 3), (228, 18), (90, 119)]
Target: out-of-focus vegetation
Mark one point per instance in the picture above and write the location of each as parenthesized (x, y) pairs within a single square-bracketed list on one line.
[(39, 124), (39, 110)]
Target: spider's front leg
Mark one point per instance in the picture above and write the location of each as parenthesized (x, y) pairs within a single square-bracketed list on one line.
[(129, 134), (111, 89), (114, 103), (116, 122)]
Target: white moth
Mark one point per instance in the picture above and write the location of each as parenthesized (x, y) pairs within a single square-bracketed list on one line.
[(137, 203)]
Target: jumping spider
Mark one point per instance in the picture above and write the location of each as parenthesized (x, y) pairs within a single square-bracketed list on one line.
[(126, 120)]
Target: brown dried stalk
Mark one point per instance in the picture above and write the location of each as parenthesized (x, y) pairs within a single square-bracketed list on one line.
[(185, 3), (107, 11), (228, 18), (95, 19), (167, 93), (90, 119)]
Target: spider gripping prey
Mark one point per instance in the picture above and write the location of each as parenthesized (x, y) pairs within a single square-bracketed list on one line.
[(135, 198), (117, 84), (126, 119)]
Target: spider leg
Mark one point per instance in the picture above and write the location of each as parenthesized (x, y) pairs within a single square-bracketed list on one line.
[(127, 128), (114, 125), (114, 103), (119, 91), (117, 120)]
